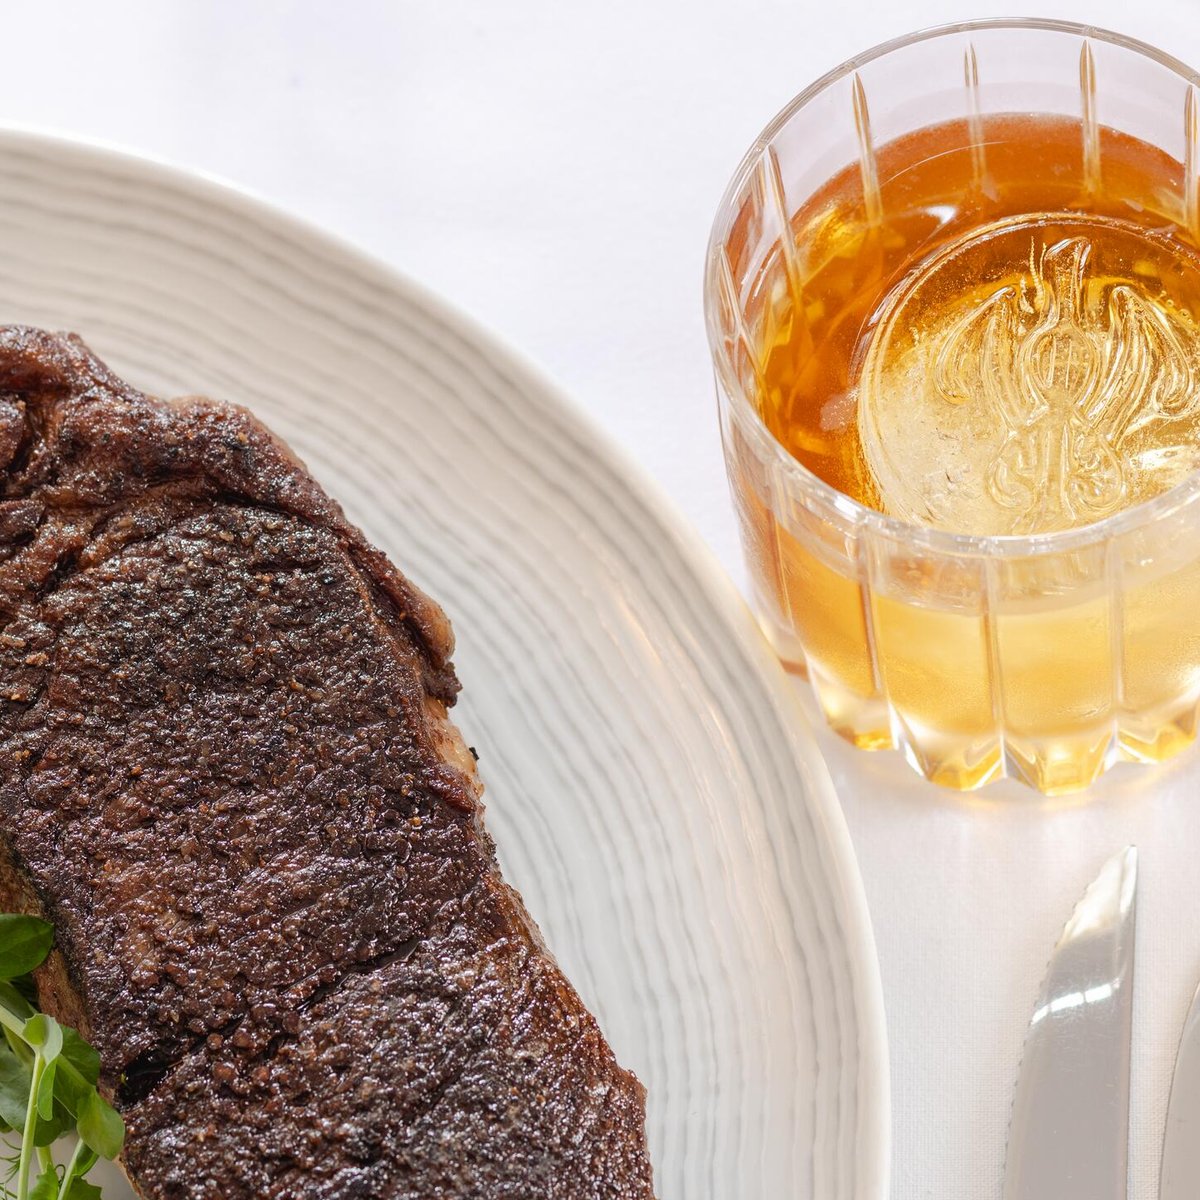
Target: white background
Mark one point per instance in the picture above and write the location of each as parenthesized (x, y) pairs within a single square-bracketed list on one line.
[(551, 167)]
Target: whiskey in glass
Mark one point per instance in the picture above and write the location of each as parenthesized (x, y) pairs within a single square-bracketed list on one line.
[(953, 296)]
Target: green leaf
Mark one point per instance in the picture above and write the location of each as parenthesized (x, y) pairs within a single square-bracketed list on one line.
[(16, 1003), (48, 1132), (78, 1069), (46, 1187), (45, 1034), (80, 1055), (24, 944), (84, 1160), (26, 987), (80, 1189), (15, 1044), (45, 1096), (100, 1125), (15, 1082)]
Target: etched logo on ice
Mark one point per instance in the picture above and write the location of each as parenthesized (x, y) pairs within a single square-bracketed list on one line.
[(1071, 366), (1037, 374)]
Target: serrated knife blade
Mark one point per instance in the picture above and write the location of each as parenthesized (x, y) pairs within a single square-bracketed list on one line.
[(1069, 1135), (1179, 1177)]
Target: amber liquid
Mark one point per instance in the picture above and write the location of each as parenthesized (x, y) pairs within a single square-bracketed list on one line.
[(999, 338), (996, 299)]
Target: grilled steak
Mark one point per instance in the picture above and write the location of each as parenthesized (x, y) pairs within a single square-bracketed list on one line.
[(228, 777)]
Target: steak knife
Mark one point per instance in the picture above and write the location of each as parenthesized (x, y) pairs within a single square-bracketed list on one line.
[(1069, 1135), (1180, 1173)]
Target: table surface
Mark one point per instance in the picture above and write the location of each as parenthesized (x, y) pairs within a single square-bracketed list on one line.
[(552, 168)]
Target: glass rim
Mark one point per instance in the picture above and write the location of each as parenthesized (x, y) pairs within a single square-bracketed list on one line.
[(928, 537)]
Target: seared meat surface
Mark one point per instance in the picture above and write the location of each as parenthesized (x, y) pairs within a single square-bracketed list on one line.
[(227, 776)]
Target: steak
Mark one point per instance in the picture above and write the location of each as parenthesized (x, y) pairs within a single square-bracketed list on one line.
[(228, 777)]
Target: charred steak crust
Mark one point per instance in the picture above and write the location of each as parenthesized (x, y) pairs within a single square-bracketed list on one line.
[(227, 776)]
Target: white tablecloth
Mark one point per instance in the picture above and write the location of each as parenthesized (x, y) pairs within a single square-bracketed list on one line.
[(552, 166)]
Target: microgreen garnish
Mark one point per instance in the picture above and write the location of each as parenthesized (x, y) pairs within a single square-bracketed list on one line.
[(48, 1076)]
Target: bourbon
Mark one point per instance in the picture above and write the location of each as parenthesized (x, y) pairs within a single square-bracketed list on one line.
[(996, 333)]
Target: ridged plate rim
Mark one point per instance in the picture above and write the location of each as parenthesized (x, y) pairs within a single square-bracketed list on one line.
[(869, 1147)]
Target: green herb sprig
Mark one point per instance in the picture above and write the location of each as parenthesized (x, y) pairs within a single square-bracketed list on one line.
[(48, 1076)]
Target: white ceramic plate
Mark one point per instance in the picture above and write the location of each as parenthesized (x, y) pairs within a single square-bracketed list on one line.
[(653, 790)]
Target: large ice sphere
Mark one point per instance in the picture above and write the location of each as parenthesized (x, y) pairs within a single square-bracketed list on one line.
[(1038, 374)]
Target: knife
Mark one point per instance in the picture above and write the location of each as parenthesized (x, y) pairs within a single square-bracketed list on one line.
[(1179, 1178), (1069, 1135)]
